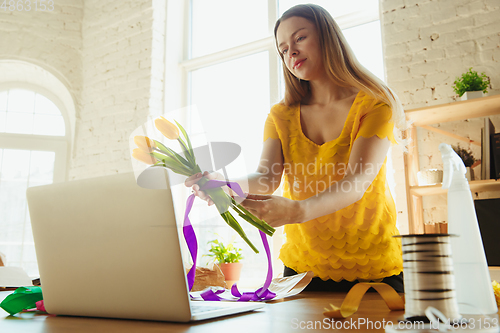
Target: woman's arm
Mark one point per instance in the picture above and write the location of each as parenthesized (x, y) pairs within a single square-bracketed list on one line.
[(365, 161), (265, 180)]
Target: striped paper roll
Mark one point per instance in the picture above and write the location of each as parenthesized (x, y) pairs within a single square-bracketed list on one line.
[(428, 275)]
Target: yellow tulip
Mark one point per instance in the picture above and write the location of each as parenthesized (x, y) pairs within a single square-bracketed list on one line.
[(144, 143), (167, 128), (141, 156)]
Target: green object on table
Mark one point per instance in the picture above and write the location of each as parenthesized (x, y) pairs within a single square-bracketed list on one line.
[(23, 298)]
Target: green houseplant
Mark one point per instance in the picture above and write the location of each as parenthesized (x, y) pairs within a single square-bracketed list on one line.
[(228, 257), (471, 81), (468, 159), (224, 254), (466, 155)]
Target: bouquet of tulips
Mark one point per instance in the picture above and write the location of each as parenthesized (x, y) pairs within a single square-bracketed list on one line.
[(155, 153)]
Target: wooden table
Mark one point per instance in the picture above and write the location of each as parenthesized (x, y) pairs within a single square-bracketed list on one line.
[(298, 313)]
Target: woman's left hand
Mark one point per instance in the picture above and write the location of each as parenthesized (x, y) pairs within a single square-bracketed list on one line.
[(275, 210)]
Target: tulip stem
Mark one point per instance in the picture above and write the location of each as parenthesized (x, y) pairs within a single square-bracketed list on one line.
[(172, 154), (231, 221), (187, 166), (252, 219)]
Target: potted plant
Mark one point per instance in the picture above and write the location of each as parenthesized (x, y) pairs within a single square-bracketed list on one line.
[(228, 257), (467, 158), (471, 85)]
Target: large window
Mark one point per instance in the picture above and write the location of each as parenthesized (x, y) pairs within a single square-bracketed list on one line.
[(33, 147), (233, 76)]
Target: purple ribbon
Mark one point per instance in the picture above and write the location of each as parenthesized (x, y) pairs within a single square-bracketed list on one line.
[(191, 241), (210, 295), (260, 294)]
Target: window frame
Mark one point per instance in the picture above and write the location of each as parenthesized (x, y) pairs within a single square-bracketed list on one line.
[(58, 144), (188, 64)]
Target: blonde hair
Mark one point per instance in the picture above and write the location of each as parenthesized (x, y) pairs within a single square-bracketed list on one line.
[(340, 63)]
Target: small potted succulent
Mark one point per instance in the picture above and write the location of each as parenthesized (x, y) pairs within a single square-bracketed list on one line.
[(228, 257), (468, 159), (471, 85)]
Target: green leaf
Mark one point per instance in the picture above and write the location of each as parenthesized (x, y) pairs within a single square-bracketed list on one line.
[(190, 150), (218, 196), (231, 221), (189, 155), (471, 81), (252, 219), (224, 254), (173, 154), (173, 164), (185, 135)]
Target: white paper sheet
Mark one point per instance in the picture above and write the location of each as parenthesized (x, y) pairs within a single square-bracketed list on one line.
[(282, 287), (14, 277)]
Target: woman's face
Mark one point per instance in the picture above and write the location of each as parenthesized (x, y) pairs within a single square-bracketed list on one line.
[(298, 42)]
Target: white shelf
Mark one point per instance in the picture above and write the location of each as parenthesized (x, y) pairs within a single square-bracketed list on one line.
[(475, 186), (479, 107), (474, 108)]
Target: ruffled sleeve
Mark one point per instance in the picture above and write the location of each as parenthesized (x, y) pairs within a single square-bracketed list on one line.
[(377, 121), (270, 129)]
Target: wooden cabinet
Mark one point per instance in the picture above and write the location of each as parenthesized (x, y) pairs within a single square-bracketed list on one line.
[(423, 117)]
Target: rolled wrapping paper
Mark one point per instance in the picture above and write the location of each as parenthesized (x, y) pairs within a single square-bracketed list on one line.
[(353, 298), (206, 277), (428, 275)]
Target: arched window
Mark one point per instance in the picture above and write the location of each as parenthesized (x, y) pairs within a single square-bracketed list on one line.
[(33, 151)]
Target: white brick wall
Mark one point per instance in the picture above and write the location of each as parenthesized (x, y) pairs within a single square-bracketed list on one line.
[(49, 39), (157, 67), (427, 44), (122, 58), (110, 54)]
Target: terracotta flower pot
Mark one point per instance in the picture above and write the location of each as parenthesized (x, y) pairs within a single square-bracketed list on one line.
[(231, 271)]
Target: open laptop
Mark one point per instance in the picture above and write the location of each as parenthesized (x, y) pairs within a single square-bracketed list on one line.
[(109, 248)]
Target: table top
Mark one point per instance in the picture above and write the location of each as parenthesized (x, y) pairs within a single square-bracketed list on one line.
[(297, 313)]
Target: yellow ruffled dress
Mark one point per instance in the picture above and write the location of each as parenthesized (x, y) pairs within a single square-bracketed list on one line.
[(354, 243)]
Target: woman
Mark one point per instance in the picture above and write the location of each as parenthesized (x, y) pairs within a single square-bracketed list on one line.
[(329, 137)]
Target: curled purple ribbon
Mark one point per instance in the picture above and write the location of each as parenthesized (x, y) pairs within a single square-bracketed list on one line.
[(260, 294), (210, 295)]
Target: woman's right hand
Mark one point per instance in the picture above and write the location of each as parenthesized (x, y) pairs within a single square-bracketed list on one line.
[(194, 179)]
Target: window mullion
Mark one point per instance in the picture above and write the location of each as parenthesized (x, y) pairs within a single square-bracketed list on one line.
[(272, 15), (274, 84), (356, 18), (30, 142), (229, 54)]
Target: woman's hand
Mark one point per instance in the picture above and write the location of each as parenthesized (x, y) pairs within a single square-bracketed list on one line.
[(194, 179), (275, 210)]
